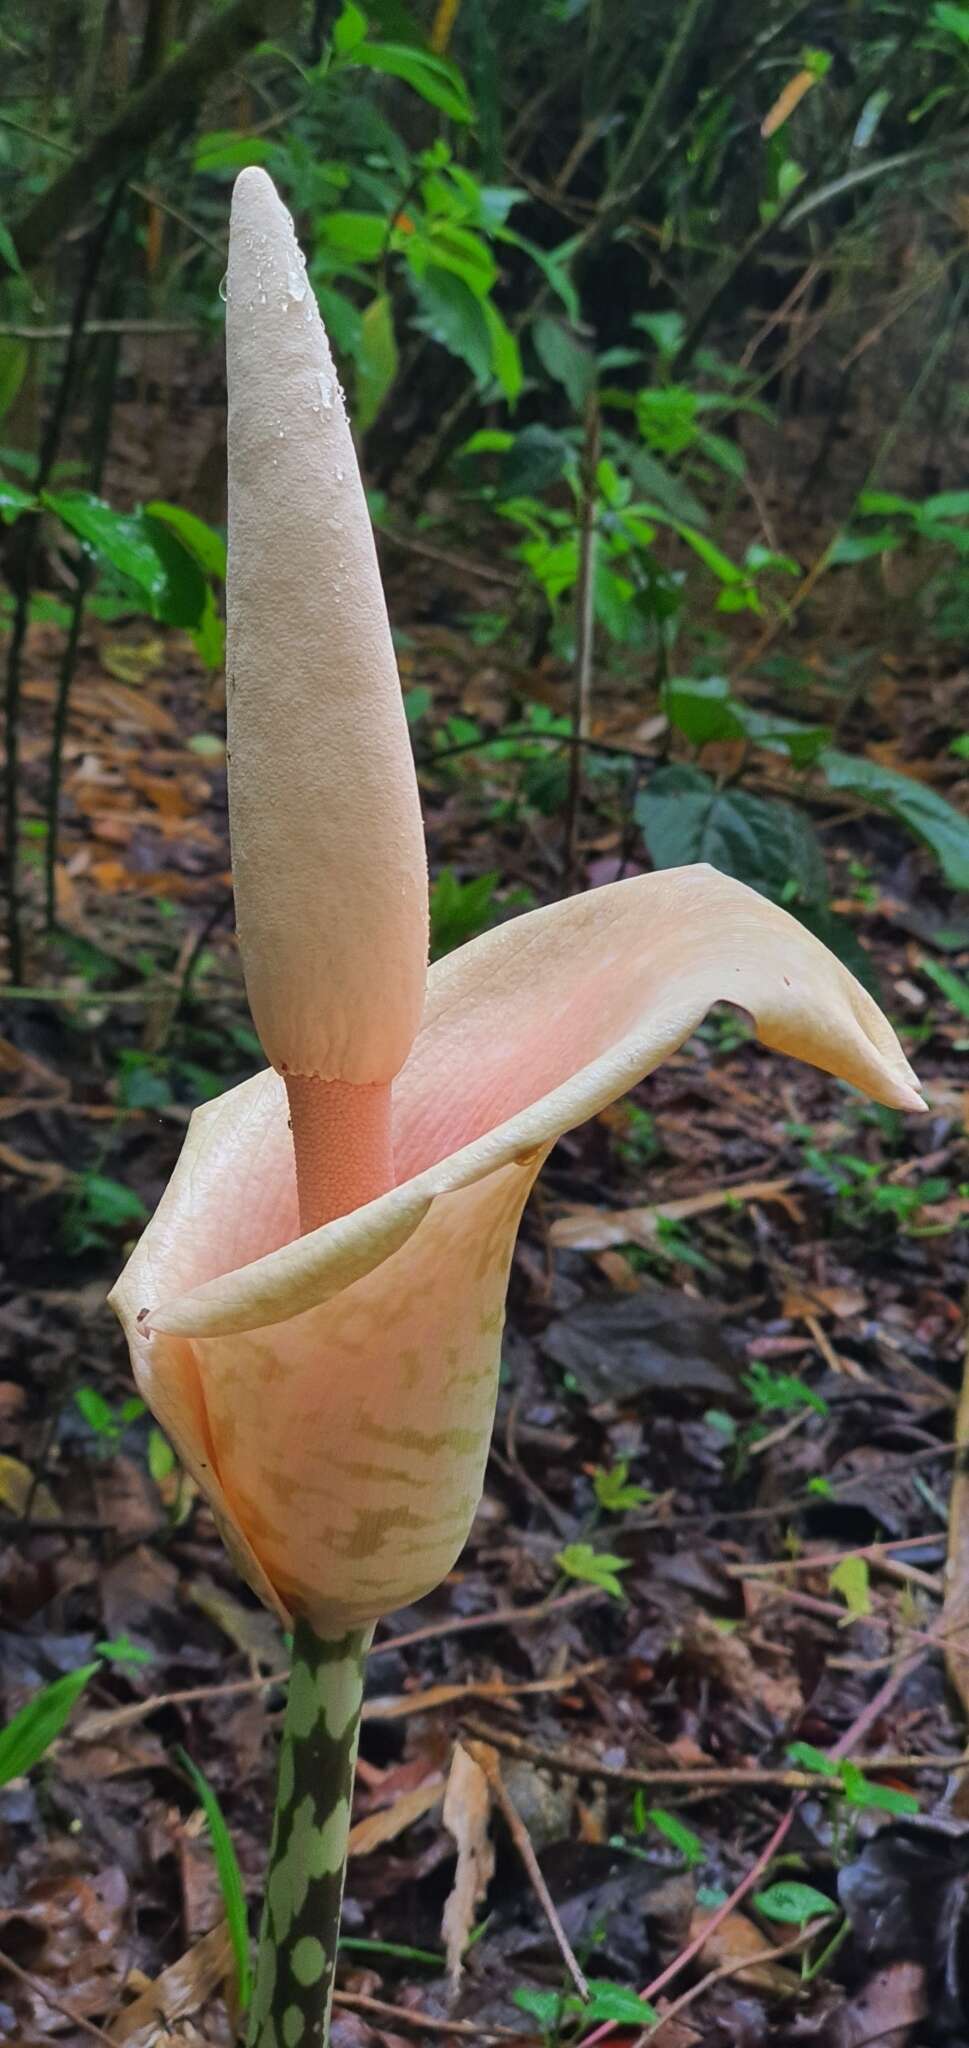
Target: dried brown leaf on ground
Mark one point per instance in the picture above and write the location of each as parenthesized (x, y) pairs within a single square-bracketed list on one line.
[(386, 1825), (180, 1991), (467, 1813)]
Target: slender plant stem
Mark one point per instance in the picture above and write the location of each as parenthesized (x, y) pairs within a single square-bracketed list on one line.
[(585, 614), (100, 431), (307, 1860), (23, 579)]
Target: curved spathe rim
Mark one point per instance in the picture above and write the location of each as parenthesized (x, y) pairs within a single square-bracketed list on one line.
[(624, 975)]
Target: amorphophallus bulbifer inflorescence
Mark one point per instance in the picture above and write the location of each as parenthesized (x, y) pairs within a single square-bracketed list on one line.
[(315, 1311)]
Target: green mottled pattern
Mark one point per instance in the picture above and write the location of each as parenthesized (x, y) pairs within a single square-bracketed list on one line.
[(307, 1861)]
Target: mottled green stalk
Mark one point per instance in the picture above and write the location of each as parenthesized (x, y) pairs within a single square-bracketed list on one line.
[(307, 1861)]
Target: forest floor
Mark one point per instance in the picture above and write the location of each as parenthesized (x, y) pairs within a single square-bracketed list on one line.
[(733, 1361)]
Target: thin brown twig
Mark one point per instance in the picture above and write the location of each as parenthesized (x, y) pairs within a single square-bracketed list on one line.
[(40, 1990), (462, 2030), (107, 1721), (697, 1777), (723, 1971), (486, 1757)]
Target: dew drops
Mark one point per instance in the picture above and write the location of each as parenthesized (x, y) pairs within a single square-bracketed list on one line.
[(325, 381), (340, 474), (224, 289)]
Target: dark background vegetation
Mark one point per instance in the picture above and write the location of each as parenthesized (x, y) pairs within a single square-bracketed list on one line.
[(653, 326)]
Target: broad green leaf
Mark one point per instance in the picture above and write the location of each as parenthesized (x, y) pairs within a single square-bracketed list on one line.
[(14, 500), (769, 845), (792, 1903), (349, 29), (376, 359), (25, 1739), (227, 150), (667, 491), (953, 987), (861, 1791), (453, 316), (677, 1834), (201, 540), (596, 1567), (850, 1578), (616, 2002), (543, 2006), (566, 358), (945, 505), (13, 369), (142, 549), (109, 1202), (927, 815), (955, 19), (437, 81), (536, 459), (8, 250), (360, 235), (506, 359), (230, 1879), (811, 1759)]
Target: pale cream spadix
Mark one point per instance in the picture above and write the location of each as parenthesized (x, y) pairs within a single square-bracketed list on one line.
[(327, 841)]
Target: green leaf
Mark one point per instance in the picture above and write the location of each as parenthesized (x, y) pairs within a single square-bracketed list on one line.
[(615, 2002), (230, 1879), (109, 1201), (161, 1457), (536, 459), (376, 359), (14, 500), (359, 235), (811, 1759), (349, 29), (678, 1835), (227, 150), (13, 369), (8, 250), (956, 19), (850, 1578), (437, 81), (860, 1791), (144, 550), (122, 1651), (927, 815), (566, 358), (794, 1904), (596, 1567), (506, 359), (202, 541), (769, 845), (25, 1739), (543, 2006), (453, 315), (955, 990)]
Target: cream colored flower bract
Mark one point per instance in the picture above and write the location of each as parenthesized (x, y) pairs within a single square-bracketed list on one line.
[(332, 1388), (314, 1312), (333, 1393)]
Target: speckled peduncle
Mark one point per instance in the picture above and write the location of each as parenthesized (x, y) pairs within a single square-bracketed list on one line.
[(307, 1860)]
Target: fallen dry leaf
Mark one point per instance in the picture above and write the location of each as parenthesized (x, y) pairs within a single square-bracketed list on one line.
[(467, 1810), (180, 1990), (19, 1490), (392, 1820), (738, 1943)]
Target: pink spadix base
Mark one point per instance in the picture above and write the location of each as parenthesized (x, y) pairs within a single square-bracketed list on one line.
[(343, 1145)]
